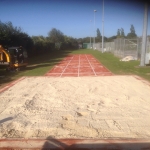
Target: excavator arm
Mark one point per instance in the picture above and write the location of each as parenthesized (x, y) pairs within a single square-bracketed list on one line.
[(3, 54)]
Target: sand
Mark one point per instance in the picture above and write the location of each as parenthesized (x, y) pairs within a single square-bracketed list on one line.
[(76, 107)]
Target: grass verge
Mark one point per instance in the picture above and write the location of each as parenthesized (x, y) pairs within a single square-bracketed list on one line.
[(39, 65)]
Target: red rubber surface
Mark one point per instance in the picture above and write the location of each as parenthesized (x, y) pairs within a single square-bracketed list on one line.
[(79, 65)]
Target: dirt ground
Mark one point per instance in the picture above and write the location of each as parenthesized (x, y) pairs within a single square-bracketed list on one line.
[(76, 107)]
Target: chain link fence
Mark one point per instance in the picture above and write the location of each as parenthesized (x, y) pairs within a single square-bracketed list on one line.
[(147, 57), (123, 47)]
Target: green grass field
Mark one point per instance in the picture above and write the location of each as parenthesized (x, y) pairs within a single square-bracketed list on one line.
[(39, 65)]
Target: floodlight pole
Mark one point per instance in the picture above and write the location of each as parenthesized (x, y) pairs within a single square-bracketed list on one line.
[(144, 36), (94, 28), (103, 28), (90, 33)]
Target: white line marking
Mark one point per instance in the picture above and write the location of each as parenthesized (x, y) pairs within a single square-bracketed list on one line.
[(91, 65), (79, 66), (60, 73), (81, 73), (66, 66)]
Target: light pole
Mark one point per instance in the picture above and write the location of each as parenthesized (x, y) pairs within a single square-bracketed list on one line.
[(144, 36), (103, 28), (90, 32), (94, 29)]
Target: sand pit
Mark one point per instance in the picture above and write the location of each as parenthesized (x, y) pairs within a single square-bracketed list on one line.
[(76, 107)]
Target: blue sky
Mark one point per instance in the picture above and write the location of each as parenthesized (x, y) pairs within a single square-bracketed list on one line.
[(72, 17)]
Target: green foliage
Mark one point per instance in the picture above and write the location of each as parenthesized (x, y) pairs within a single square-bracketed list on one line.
[(118, 33), (56, 36), (122, 32), (85, 40), (98, 33), (69, 39), (70, 43), (42, 44), (132, 30), (13, 36), (132, 33), (111, 39), (99, 37)]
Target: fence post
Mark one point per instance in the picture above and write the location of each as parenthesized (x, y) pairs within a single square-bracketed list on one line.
[(137, 47), (123, 47), (120, 46)]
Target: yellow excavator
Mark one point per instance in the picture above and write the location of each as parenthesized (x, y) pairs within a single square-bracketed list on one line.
[(13, 58)]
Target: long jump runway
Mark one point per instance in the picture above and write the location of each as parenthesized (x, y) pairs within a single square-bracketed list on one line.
[(79, 65), (78, 104)]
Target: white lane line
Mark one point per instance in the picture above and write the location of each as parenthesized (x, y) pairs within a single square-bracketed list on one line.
[(66, 66), (63, 73), (79, 66), (91, 65)]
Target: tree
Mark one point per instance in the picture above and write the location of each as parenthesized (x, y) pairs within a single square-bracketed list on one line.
[(98, 38), (13, 36), (111, 39), (122, 32), (69, 39), (132, 33), (132, 30), (98, 33), (42, 44), (56, 36), (69, 43), (118, 33)]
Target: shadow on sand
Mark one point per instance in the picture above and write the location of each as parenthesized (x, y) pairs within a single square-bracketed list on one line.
[(6, 119), (96, 144)]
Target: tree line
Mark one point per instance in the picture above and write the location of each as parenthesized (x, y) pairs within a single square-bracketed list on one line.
[(56, 40), (131, 35), (35, 45), (120, 34), (10, 35)]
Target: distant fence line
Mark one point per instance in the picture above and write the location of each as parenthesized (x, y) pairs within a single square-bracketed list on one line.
[(121, 47)]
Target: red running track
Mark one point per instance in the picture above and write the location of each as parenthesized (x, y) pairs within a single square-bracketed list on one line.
[(79, 65)]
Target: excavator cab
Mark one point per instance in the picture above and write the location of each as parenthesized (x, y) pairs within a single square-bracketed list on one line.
[(14, 58)]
